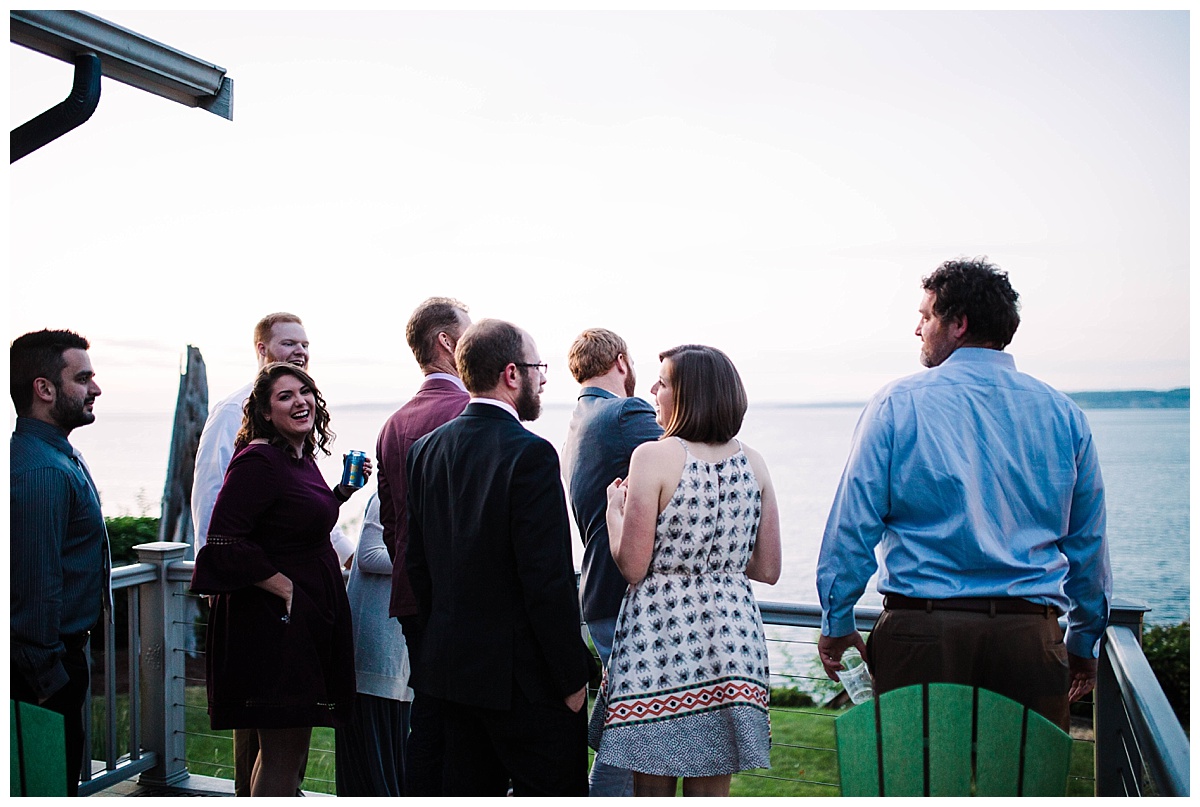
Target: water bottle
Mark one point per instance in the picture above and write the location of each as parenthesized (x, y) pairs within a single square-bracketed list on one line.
[(856, 678)]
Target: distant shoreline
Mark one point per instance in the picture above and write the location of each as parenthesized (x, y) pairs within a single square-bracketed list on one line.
[(1118, 399), (1114, 399)]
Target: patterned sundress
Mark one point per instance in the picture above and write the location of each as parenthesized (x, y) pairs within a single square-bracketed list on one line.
[(688, 682)]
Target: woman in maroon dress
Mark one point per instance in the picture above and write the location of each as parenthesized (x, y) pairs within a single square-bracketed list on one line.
[(280, 657)]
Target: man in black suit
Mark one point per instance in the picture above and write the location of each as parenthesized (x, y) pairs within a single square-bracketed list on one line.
[(489, 562)]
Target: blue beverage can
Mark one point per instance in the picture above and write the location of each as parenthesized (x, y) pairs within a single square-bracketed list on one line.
[(352, 469)]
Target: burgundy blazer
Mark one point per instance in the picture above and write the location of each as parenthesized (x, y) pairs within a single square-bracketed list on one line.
[(438, 401)]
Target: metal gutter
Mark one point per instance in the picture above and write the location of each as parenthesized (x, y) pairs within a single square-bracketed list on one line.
[(126, 56), (61, 118)]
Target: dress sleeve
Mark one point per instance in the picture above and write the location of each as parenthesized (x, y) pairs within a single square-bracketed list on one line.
[(230, 560)]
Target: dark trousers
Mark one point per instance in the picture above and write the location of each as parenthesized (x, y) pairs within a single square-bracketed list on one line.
[(68, 701), (540, 747), (1020, 656), (370, 751), (425, 751)]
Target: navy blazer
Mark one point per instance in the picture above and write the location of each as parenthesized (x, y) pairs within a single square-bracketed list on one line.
[(489, 562), (603, 433)]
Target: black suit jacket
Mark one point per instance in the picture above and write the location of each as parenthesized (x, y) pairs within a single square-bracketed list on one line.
[(489, 561)]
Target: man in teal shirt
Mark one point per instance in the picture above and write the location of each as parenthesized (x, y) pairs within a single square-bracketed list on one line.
[(982, 489), (59, 547)]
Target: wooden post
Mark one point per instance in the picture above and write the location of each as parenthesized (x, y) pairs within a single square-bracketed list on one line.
[(191, 410)]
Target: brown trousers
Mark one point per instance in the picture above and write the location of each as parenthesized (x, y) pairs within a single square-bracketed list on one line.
[(1020, 656)]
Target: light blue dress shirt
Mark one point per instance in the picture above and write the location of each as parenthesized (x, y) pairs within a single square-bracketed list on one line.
[(976, 481)]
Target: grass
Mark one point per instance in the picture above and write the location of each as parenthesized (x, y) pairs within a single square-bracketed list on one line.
[(210, 753), (803, 760)]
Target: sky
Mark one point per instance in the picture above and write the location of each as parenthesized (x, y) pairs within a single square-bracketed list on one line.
[(773, 183)]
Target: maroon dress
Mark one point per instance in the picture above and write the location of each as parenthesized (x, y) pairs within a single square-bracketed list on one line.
[(274, 514)]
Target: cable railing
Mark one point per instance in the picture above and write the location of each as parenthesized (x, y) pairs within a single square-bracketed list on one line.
[(1140, 747)]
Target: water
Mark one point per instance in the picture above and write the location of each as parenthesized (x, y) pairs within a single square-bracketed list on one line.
[(1144, 455)]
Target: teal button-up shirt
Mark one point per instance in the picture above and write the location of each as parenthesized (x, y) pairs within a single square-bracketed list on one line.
[(59, 564)]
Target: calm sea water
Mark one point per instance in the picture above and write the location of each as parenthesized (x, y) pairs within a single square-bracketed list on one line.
[(1144, 455)]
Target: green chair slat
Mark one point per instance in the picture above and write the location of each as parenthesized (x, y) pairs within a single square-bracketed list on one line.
[(1015, 752), (998, 745), (1047, 758), (858, 756), (39, 743), (903, 731), (14, 754), (950, 711)]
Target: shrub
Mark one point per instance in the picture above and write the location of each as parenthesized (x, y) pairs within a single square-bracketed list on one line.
[(1168, 649), (790, 696), (126, 532)]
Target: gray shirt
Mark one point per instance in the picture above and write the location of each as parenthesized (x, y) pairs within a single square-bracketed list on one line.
[(59, 561), (381, 663)]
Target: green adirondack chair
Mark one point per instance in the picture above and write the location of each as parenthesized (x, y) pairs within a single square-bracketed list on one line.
[(37, 751), (950, 740)]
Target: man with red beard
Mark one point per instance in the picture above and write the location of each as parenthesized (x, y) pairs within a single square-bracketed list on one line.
[(608, 423), (489, 562)]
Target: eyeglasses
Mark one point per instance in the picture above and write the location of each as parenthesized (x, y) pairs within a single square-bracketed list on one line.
[(542, 367)]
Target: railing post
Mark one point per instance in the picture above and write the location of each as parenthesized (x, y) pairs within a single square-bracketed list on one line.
[(1109, 719), (162, 669)]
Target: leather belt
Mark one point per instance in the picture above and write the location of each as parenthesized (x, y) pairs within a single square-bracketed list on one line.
[(976, 605)]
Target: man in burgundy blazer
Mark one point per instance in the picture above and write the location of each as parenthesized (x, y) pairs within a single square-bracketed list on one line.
[(432, 333)]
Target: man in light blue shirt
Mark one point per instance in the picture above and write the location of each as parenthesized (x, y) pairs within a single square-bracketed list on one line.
[(982, 488)]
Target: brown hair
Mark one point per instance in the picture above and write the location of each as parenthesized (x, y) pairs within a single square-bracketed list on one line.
[(710, 401), (594, 352), (256, 425), (262, 331), (484, 350), (435, 315)]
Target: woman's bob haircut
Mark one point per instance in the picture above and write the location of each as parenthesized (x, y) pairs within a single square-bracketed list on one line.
[(710, 400)]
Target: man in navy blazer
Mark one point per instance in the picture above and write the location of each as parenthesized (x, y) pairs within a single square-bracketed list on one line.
[(489, 561), (609, 422), (432, 333)]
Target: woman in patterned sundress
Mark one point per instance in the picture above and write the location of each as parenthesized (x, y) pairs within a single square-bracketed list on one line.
[(688, 683)]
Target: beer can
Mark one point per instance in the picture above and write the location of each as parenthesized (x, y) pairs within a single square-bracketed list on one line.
[(352, 469)]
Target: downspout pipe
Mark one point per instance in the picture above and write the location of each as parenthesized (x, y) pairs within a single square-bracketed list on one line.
[(58, 120)]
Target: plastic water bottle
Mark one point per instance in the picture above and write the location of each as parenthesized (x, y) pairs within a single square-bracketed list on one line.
[(856, 678)]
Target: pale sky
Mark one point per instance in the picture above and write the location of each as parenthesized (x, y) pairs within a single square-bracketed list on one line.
[(771, 183)]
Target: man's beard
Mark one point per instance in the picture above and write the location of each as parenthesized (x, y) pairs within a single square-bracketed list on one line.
[(630, 383), (529, 403), (69, 413)]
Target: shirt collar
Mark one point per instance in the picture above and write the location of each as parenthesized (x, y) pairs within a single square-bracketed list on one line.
[(502, 404), (597, 392), (47, 432), (982, 355), (447, 377)]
